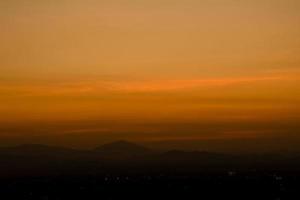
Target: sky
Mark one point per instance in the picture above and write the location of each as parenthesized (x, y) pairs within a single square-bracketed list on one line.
[(151, 70)]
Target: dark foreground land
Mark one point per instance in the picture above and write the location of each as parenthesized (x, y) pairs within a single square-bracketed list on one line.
[(202, 185), (124, 170)]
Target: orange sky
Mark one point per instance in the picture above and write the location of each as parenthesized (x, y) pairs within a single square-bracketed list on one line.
[(154, 69)]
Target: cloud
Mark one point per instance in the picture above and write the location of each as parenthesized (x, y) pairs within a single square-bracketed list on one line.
[(173, 85), (128, 86)]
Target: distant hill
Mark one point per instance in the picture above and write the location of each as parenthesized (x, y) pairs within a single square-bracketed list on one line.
[(123, 155), (34, 150), (122, 149), (191, 155)]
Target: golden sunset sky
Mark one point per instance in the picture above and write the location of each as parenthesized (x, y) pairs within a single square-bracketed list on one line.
[(150, 69)]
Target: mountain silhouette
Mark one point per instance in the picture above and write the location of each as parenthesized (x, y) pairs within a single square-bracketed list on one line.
[(33, 150), (193, 157), (123, 155), (125, 166), (122, 148)]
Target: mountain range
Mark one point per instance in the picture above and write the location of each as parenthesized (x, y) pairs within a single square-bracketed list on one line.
[(123, 155)]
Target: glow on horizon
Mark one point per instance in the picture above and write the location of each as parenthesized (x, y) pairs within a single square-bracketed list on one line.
[(152, 62)]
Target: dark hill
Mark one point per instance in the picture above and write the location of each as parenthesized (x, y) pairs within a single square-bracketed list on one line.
[(38, 150), (122, 148)]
